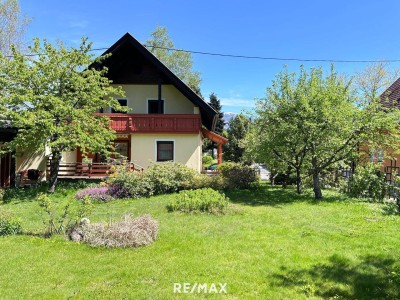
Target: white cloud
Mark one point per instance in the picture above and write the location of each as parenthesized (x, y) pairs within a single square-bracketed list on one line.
[(237, 102)]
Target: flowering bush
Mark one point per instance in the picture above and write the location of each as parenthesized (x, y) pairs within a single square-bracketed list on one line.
[(100, 194)]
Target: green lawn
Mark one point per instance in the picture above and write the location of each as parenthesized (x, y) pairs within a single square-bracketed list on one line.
[(272, 245)]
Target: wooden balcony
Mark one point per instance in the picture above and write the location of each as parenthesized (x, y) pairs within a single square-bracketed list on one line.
[(154, 123)]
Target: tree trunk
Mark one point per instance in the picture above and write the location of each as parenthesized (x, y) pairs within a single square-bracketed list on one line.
[(317, 185), (54, 166), (287, 177), (299, 181)]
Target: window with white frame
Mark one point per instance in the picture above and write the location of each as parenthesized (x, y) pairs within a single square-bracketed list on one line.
[(165, 151)]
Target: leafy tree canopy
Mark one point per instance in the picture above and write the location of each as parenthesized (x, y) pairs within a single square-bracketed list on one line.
[(51, 97), (236, 132), (179, 62), (311, 121)]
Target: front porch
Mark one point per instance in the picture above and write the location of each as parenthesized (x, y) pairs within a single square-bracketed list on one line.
[(89, 170)]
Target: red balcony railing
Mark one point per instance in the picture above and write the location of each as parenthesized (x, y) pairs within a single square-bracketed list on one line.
[(154, 123)]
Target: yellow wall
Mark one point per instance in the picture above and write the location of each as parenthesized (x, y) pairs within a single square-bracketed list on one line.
[(187, 149), (174, 101), (33, 159), (69, 157)]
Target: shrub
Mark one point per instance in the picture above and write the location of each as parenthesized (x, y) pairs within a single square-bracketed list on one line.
[(100, 194), (238, 176), (126, 233), (207, 160), (126, 184), (57, 223), (2, 194), (202, 200), (368, 182), (200, 181), (9, 223), (169, 177)]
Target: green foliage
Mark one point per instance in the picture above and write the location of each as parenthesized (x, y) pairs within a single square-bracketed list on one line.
[(2, 194), (310, 122), (216, 104), (179, 62), (238, 128), (127, 184), (202, 200), (169, 177), (368, 182), (216, 182), (57, 220), (51, 97), (207, 160), (9, 223), (238, 176)]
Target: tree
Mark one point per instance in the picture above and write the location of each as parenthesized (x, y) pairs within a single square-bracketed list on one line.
[(12, 26), (216, 104), (277, 136), (236, 132), (374, 79), (219, 127), (179, 62), (51, 98), (312, 122)]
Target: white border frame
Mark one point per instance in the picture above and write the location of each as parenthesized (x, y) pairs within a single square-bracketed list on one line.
[(164, 140)]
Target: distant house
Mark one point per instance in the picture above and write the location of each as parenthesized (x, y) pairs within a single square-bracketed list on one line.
[(389, 98), (167, 121)]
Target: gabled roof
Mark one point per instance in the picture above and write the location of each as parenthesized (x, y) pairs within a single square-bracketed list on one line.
[(128, 45), (391, 96)]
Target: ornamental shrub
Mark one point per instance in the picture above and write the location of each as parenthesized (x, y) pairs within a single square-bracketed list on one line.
[(368, 182), (124, 183), (100, 194), (169, 177), (9, 223), (238, 176), (203, 200), (200, 181), (207, 160)]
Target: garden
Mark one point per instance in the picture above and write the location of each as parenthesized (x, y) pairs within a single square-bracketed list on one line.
[(260, 240)]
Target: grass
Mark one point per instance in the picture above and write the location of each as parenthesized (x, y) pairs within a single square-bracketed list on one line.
[(273, 245)]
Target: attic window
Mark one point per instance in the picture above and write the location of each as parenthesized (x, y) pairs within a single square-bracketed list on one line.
[(122, 102), (152, 107)]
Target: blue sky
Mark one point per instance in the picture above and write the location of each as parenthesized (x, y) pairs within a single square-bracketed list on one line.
[(350, 30)]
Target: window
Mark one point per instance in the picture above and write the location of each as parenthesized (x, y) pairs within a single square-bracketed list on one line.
[(152, 107), (376, 154), (165, 150), (122, 102), (380, 155)]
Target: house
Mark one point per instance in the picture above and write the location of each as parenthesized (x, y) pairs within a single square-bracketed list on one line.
[(389, 98), (167, 121)]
